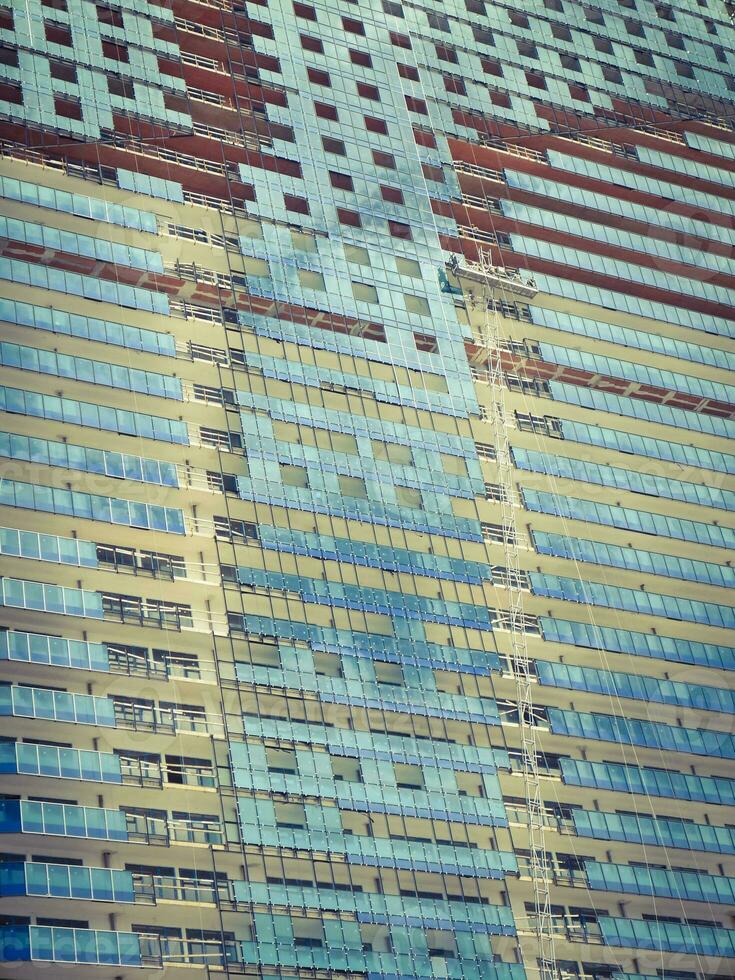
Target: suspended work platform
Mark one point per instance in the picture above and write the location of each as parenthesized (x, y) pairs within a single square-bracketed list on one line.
[(494, 276)]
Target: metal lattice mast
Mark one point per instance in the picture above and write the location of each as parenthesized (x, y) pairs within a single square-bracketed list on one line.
[(491, 280)]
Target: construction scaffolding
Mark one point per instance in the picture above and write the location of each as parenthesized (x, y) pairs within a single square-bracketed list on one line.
[(491, 283)]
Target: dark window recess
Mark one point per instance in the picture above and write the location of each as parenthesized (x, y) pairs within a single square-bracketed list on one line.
[(117, 52), (409, 72), (569, 62), (361, 58), (612, 74), (454, 85), (433, 173), (375, 125), (326, 111), (353, 26), (366, 91), (391, 194), (500, 99), (349, 218), (11, 93), (394, 9), (602, 44), (299, 205), (54, 4), (416, 105), (424, 137), (56, 34), (319, 77), (304, 11), (62, 70), (342, 181), (561, 32), (67, 108), (309, 43), (484, 36), (9, 56), (399, 229), (492, 67), (107, 15), (440, 22), (446, 54), (527, 49), (400, 40), (332, 145), (579, 92), (426, 343), (535, 80), (122, 87), (381, 159)]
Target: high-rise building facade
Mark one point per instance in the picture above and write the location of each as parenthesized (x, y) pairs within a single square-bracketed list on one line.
[(364, 514)]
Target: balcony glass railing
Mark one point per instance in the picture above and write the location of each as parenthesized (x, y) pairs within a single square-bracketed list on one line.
[(66, 881), (54, 944), (31, 759), (62, 820), (55, 651), (36, 702)]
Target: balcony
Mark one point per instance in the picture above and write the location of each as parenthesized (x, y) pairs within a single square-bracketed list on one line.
[(53, 651), (145, 829), (170, 888), (62, 820), (80, 709), (149, 772), (213, 954), (98, 823), (160, 665), (166, 719), (54, 944), (68, 881), (30, 759), (81, 883), (157, 614)]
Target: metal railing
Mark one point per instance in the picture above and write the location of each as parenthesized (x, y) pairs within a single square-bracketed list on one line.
[(155, 830), (147, 718), (147, 772), (461, 166)]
